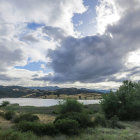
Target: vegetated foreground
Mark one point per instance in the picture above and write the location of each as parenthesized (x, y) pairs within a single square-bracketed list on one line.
[(118, 117)]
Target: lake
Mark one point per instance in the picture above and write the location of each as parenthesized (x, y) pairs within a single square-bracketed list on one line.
[(42, 102)]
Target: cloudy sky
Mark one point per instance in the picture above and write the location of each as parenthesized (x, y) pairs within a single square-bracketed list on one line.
[(69, 43)]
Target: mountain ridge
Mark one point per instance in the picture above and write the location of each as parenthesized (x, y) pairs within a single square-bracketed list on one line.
[(19, 91)]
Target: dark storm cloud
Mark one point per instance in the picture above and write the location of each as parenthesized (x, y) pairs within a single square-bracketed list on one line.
[(97, 58), (84, 59), (89, 59)]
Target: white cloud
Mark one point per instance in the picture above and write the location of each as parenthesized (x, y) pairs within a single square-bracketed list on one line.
[(107, 85), (98, 58), (52, 13), (19, 44), (21, 77), (133, 59), (107, 14), (42, 66)]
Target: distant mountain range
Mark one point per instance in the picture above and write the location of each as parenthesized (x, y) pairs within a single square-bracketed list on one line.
[(96, 90), (53, 88), (18, 91), (13, 91)]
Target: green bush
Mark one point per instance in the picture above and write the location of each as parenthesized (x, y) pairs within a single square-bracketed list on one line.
[(110, 105), (50, 129), (64, 126), (82, 118), (9, 115), (72, 118), (26, 117), (16, 135), (124, 103), (71, 105), (111, 123), (67, 126), (100, 120), (37, 128), (114, 123), (2, 114), (5, 103)]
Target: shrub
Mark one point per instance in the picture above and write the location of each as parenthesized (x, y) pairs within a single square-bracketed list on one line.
[(9, 115), (37, 128), (82, 118), (2, 114), (100, 120), (67, 126), (71, 105), (111, 123), (114, 123), (50, 129), (26, 117), (110, 105), (124, 103), (16, 135), (5, 103), (15, 104)]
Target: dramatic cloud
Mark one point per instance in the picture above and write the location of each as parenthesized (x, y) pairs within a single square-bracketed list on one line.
[(42, 32), (107, 13), (98, 58), (52, 13), (22, 42), (55, 33)]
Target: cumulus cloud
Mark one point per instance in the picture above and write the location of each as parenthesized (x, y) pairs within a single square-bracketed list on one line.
[(21, 77), (98, 58), (107, 14), (52, 13), (4, 77), (19, 44), (86, 60), (92, 59), (10, 54), (55, 33)]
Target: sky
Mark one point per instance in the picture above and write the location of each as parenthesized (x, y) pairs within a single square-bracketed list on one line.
[(69, 43)]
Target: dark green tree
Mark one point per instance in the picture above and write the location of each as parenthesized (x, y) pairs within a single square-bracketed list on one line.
[(125, 102)]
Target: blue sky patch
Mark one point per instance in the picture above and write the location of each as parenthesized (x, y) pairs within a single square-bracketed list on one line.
[(34, 26), (35, 66), (87, 19)]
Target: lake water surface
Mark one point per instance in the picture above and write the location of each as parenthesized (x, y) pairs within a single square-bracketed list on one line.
[(42, 102)]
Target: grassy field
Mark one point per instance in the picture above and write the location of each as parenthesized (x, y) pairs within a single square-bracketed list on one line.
[(5, 124), (48, 114), (131, 132), (43, 110), (30, 109)]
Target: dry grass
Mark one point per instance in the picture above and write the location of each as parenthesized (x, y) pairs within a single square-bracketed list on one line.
[(45, 118), (4, 124)]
